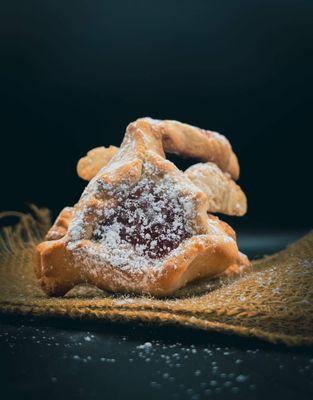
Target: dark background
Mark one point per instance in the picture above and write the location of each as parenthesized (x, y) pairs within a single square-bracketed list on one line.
[(75, 73)]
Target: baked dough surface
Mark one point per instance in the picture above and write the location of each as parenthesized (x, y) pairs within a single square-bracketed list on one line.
[(141, 225)]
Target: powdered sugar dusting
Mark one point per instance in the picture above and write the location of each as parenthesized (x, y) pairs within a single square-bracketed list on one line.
[(146, 223)]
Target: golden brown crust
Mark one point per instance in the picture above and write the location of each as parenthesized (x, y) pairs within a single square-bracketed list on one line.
[(95, 159), (60, 226), (190, 141), (224, 195), (178, 138), (238, 268), (79, 256)]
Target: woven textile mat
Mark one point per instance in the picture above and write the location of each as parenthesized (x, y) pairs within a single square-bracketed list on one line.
[(274, 301)]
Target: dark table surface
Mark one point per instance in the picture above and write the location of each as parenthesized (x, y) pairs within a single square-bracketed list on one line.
[(49, 359)]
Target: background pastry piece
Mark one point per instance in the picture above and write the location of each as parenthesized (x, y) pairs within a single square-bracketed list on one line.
[(224, 195), (95, 159), (190, 141), (178, 138), (140, 226)]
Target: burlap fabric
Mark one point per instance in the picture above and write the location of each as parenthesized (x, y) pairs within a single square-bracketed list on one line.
[(273, 302)]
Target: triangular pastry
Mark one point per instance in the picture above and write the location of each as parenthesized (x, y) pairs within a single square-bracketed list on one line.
[(141, 225)]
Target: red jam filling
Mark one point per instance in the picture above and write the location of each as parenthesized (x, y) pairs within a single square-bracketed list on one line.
[(151, 218)]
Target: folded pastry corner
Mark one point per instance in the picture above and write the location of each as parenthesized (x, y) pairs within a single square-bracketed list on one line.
[(142, 225), (95, 159)]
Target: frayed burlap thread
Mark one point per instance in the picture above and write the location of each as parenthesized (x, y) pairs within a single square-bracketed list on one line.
[(273, 302)]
